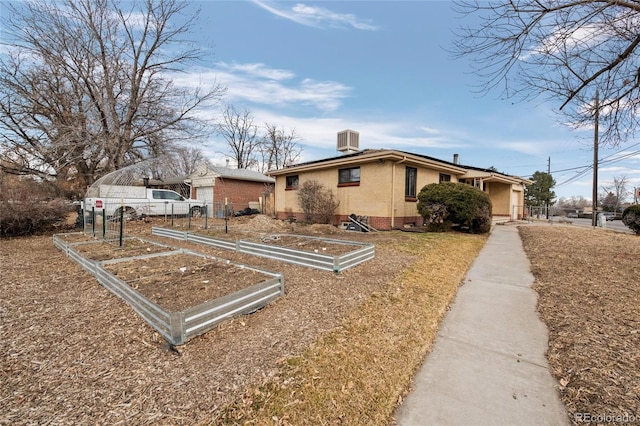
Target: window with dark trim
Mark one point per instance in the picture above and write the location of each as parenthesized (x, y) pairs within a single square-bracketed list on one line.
[(410, 182), (292, 182), (445, 178), (349, 177)]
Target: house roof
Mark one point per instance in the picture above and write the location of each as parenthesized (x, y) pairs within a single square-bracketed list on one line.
[(238, 174), (368, 155), (490, 175)]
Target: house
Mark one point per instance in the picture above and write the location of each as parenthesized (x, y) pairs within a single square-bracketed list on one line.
[(229, 190), (382, 184), (506, 191)]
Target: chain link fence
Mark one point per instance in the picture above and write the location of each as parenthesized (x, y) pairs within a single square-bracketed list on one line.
[(542, 212)]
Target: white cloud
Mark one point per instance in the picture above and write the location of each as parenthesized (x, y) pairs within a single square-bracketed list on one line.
[(587, 36), (261, 85), (318, 17), (528, 147), (429, 130), (257, 70), (320, 133), (613, 169)]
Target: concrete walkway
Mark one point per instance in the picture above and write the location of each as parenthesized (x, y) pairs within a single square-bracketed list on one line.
[(488, 365)]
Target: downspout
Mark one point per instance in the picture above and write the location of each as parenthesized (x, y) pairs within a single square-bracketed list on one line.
[(393, 187)]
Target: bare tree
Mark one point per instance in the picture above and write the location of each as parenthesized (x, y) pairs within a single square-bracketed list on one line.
[(279, 148), (185, 160), (574, 202), (88, 90), (177, 163), (241, 135), (564, 50), (614, 195)]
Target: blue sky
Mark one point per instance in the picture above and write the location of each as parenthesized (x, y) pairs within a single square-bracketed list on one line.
[(382, 68)]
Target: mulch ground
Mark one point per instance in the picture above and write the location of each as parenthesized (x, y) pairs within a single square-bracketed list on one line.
[(589, 286), (73, 353)]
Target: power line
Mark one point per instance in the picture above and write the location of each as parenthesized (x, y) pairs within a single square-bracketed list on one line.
[(572, 179), (615, 160), (603, 161)]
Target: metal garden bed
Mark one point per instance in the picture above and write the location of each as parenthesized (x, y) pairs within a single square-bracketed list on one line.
[(299, 257), (179, 327)]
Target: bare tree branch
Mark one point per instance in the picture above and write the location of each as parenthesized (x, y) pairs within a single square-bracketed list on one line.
[(89, 90), (279, 148), (564, 51), (241, 135)]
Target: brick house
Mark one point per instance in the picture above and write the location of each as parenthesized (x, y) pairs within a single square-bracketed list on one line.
[(227, 189), (382, 185)]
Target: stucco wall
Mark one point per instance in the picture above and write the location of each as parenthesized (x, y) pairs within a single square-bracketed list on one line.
[(380, 194), (500, 194)]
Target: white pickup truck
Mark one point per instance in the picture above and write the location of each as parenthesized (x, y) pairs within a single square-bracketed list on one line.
[(137, 201)]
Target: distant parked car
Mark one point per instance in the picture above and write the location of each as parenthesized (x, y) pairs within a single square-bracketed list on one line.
[(572, 215), (609, 215)]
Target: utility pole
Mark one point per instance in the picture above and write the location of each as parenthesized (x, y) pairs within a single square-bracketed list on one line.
[(549, 173), (594, 202)]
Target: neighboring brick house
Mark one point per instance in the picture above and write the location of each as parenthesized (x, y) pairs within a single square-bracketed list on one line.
[(224, 188), (383, 184)]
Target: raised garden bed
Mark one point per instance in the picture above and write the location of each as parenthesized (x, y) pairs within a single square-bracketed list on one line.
[(321, 253), (131, 247), (179, 292), (183, 280)]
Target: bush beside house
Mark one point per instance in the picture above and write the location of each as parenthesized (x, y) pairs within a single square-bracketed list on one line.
[(445, 205), (317, 202)]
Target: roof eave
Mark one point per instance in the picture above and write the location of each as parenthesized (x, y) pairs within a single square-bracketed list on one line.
[(391, 155)]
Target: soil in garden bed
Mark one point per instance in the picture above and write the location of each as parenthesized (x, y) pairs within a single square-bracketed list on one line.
[(181, 281), (104, 250), (310, 245), (76, 237)]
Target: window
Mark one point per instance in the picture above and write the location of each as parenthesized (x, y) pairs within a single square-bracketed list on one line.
[(166, 195), (170, 195), (292, 182), (410, 179), (445, 178), (349, 177)]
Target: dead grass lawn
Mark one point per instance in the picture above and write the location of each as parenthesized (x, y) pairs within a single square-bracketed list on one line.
[(359, 371), (589, 286)]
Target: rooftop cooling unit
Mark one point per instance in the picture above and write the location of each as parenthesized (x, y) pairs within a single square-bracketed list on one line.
[(348, 141)]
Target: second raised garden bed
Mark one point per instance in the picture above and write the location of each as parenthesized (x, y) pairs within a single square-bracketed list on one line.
[(320, 253)]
